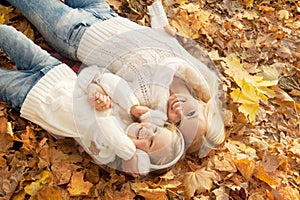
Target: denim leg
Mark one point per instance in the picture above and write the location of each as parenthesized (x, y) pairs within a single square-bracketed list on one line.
[(15, 85), (99, 8), (23, 52), (32, 63), (61, 25)]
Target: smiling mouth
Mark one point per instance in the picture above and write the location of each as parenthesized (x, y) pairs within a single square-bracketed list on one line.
[(176, 103)]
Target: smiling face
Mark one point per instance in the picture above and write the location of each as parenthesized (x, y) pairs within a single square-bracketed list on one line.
[(149, 137), (189, 115)]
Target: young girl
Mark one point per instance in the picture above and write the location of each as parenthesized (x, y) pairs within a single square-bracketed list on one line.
[(46, 93), (163, 75)]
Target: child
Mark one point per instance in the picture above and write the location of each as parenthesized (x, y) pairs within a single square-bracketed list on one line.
[(45, 92), (164, 75)]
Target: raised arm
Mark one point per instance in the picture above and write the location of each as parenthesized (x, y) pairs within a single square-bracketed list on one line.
[(158, 17)]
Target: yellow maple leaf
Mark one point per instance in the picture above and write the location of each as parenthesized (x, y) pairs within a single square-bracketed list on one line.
[(251, 88), (33, 188)]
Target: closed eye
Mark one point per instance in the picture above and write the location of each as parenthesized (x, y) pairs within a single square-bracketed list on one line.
[(190, 114)]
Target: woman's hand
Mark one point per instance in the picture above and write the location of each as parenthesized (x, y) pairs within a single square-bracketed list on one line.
[(98, 98), (149, 2), (137, 111), (131, 166)]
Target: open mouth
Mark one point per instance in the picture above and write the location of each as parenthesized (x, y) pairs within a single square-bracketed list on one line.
[(176, 103)]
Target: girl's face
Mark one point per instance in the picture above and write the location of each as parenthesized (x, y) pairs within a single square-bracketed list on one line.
[(189, 115), (149, 137)]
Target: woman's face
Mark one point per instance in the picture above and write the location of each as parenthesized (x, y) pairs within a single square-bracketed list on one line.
[(189, 115), (149, 137)]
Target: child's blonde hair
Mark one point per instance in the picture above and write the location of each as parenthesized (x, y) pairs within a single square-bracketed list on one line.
[(173, 151)]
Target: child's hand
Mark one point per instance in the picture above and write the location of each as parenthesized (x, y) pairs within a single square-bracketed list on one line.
[(131, 166), (137, 111), (98, 98)]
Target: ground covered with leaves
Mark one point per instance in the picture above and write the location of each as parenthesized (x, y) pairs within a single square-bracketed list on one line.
[(256, 47)]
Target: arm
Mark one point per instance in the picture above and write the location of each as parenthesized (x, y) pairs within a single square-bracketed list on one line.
[(158, 17), (99, 84), (118, 90), (98, 98)]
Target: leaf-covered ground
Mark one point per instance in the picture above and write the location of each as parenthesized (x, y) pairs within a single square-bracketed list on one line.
[(256, 47)]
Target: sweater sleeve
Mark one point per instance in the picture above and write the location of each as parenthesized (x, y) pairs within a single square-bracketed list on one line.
[(87, 75), (116, 137), (118, 89), (157, 15)]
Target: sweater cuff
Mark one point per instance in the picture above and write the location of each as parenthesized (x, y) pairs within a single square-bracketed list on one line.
[(157, 15), (154, 116)]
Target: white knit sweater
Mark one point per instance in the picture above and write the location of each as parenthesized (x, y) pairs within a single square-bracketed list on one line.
[(60, 106)]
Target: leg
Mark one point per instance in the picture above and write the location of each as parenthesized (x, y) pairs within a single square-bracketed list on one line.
[(25, 54), (61, 25), (15, 85), (99, 8), (32, 63)]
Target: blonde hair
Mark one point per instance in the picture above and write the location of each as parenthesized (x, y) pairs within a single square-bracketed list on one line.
[(215, 134), (172, 151)]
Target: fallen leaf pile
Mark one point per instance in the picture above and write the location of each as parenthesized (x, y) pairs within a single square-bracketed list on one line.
[(255, 45)]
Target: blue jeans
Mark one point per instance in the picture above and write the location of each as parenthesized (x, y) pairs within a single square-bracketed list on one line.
[(63, 25), (31, 61)]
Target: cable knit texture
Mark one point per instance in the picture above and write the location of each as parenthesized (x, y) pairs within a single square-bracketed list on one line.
[(58, 105)]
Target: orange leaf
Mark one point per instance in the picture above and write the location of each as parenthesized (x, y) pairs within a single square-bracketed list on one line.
[(143, 190), (77, 186), (246, 167), (266, 8), (261, 174)]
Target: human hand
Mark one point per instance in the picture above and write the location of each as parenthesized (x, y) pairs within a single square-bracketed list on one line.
[(149, 2), (131, 166), (97, 98), (138, 111)]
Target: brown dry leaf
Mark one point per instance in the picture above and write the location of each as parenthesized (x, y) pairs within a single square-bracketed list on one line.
[(248, 3), (28, 139), (116, 4), (6, 142), (246, 167), (190, 19), (224, 162), (266, 8), (62, 172), (199, 181), (52, 193), (286, 193), (143, 190), (10, 180), (77, 186), (284, 99), (270, 162), (124, 193), (262, 175), (3, 125)]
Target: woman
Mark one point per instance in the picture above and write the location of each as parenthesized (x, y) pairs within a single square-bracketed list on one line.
[(163, 75), (45, 91)]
